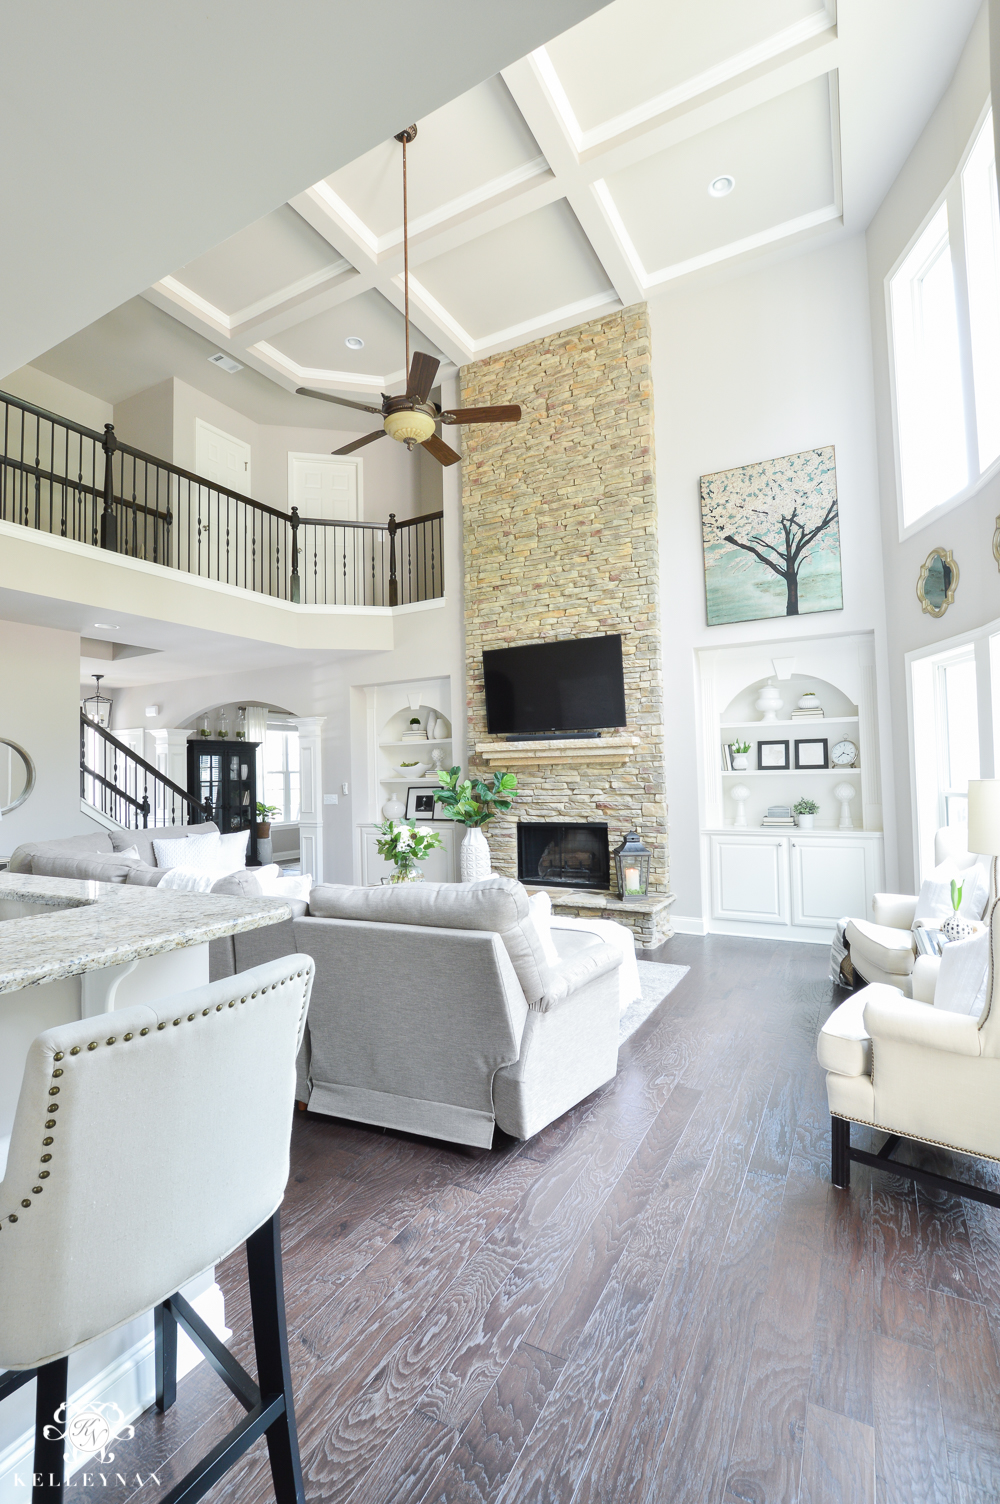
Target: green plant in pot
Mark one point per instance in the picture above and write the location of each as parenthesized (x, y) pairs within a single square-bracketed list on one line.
[(804, 812), (957, 927), (473, 804), (406, 845), (265, 814)]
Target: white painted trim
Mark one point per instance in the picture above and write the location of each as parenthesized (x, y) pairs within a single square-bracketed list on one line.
[(172, 288), (579, 309), (647, 279), (688, 924), (316, 373), (435, 605), (640, 114), (379, 244)]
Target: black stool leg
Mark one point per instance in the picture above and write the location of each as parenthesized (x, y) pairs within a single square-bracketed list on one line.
[(270, 1338), (165, 1346), (51, 1387), (840, 1156)]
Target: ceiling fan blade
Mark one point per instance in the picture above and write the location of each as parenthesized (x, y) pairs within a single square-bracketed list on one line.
[(369, 438), (442, 452), (482, 415), (362, 407), (423, 369)]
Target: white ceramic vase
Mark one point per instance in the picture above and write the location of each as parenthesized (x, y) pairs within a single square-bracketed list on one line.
[(958, 928), (264, 850), (474, 856), (805, 821), (739, 762), (768, 702), (393, 808)]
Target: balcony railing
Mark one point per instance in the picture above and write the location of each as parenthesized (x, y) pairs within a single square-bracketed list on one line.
[(62, 478)]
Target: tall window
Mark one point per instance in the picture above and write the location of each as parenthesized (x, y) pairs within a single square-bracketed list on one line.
[(929, 410), (944, 304), (281, 772), (982, 257), (958, 737)]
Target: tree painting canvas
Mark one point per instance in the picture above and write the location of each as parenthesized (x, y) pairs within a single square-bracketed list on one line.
[(771, 533)]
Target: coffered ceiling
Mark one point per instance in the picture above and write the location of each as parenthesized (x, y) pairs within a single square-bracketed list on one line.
[(577, 181)]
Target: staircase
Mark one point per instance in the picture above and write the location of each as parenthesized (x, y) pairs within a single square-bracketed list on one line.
[(122, 790)]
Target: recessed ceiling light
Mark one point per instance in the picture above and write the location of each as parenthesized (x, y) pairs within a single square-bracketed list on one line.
[(719, 187), (225, 362), (354, 342), (105, 626)]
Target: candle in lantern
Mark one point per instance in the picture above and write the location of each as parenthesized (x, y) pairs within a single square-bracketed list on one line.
[(631, 880)]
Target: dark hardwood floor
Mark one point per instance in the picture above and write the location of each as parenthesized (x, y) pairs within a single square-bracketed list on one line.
[(658, 1300)]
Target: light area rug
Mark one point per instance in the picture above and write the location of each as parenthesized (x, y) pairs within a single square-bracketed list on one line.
[(658, 979)]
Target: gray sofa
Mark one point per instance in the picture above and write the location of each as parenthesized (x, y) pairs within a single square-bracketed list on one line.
[(435, 1011)]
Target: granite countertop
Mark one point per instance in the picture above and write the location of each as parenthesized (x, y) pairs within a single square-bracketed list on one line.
[(111, 923)]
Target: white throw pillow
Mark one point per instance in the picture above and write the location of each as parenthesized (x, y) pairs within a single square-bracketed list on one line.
[(130, 854), (276, 884), (962, 975), (200, 852), (540, 915), (232, 855), (934, 901)]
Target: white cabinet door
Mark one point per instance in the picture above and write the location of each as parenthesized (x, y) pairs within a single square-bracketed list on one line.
[(439, 867), (750, 878), (831, 880)]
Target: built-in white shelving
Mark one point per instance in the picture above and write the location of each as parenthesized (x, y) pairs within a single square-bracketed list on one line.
[(789, 772), (836, 720)]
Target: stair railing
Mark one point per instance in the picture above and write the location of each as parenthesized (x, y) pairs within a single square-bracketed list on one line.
[(62, 478), (128, 789)]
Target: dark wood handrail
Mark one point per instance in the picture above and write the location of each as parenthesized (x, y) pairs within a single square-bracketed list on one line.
[(380, 526), (147, 767), (43, 412), (141, 805)]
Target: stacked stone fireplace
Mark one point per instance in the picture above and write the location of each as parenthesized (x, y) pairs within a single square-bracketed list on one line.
[(563, 854), (560, 539)]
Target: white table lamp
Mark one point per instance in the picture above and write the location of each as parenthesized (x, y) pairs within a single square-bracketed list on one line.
[(984, 823)]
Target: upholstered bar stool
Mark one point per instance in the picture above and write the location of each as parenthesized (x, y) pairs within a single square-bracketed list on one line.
[(148, 1144)]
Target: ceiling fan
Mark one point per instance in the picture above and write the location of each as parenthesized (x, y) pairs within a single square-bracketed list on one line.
[(411, 418)]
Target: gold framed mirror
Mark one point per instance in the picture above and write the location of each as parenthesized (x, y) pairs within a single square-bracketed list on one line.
[(17, 775), (938, 581)]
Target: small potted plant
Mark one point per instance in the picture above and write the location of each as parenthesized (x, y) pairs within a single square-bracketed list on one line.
[(955, 927), (472, 805), (406, 845), (739, 752), (805, 811)]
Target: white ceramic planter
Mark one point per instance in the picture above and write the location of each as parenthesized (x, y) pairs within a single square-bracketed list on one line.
[(474, 856), (739, 762), (805, 822), (264, 850)]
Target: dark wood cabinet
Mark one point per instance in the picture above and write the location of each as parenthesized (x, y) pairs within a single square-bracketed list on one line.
[(225, 773)]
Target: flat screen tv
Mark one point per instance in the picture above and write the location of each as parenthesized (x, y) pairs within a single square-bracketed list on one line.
[(555, 687)]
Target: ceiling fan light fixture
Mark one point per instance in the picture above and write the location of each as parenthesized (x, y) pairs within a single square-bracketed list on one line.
[(409, 427)]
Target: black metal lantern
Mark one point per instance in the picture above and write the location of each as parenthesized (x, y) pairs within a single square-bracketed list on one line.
[(632, 860), (97, 707)]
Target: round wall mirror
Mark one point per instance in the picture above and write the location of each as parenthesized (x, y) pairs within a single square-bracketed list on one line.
[(938, 581), (17, 776)]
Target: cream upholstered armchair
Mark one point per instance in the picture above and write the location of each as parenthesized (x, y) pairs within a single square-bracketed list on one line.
[(916, 1071), (883, 949)]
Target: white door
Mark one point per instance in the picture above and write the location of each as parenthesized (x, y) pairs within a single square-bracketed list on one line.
[(334, 564), (221, 458)]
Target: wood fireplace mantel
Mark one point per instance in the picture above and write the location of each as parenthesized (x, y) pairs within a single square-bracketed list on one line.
[(574, 749)]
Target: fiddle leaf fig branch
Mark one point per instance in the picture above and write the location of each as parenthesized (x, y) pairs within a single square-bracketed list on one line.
[(474, 803)]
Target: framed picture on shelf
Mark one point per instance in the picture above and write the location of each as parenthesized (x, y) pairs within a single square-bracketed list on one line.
[(812, 752), (420, 805), (772, 756)]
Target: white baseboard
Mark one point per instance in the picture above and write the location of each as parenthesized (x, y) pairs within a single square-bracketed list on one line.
[(128, 1382), (688, 924)]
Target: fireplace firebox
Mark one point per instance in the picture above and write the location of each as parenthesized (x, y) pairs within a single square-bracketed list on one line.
[(563, 855)]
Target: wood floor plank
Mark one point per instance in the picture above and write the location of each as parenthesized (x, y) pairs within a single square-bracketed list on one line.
[(911, 1453), (838, 1460), (969, 1388), (843, 1352), (766, 1453)]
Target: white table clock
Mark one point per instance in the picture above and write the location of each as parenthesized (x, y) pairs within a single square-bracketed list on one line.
[(844, 755)]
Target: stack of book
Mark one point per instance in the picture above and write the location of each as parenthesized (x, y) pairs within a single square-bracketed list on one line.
[(808, 715), (778, 814)]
